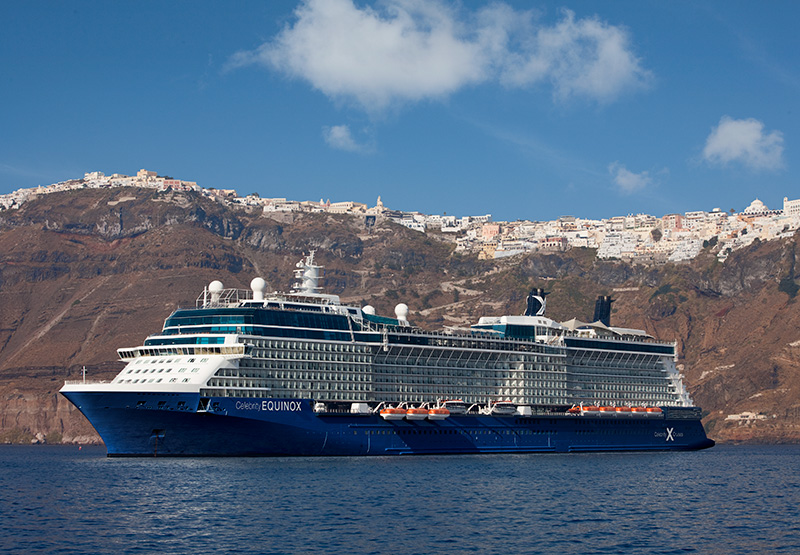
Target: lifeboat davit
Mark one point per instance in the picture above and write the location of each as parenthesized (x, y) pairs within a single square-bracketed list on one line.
[(416, 414), (455, 406), (438, 413), (391, 413), (654, 412), (504, 408)]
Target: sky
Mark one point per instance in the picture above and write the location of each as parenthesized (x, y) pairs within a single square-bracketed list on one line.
[(518, 109)]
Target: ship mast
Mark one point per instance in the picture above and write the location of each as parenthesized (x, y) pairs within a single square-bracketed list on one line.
[(307, 275)]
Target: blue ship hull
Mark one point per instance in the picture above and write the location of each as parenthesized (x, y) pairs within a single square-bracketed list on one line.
[(169, 424)]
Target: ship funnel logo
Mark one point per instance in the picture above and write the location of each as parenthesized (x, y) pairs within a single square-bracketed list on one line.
[(536, 303)]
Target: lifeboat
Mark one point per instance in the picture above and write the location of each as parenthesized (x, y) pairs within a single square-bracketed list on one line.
[(574, 410), (438, 413), (607, 411), (623, 411), (416, 414), (654, 412), (591, 410), (638, 411), (504, 408), (455, 406), (391, 413)]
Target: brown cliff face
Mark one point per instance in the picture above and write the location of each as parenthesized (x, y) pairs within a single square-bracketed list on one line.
[(86, 272)]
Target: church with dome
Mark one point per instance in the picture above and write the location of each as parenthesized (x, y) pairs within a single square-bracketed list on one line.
[(758, 208)]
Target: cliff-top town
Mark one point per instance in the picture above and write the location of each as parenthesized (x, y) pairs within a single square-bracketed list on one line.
[(639, 238)]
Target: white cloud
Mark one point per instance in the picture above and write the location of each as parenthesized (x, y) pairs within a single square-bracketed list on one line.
[(580, 58), (744, 141), (339, 137), (627, 181), (416, 49)]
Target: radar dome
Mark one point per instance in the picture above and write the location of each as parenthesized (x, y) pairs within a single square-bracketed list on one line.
[(401, 311), (258, 285), (369, 309), (215, 288)]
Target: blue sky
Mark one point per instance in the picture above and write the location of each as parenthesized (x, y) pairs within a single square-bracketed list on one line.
[(525, 110)]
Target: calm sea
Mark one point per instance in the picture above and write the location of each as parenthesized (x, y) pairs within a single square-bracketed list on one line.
[(724, 500)]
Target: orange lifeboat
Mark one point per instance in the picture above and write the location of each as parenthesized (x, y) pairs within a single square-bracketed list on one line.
[(391, 413), (574, 410), (638, 411), (654, 412), (416, 414), (438, 413), (623, 411), (591, 410), (607, 411)]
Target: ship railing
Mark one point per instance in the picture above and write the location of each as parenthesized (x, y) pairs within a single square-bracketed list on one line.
[(86, 382), (467, 333), (224, 298), (490, 340), (618, 337)]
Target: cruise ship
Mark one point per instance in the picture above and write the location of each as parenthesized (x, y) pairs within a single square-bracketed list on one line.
[(245, 373)]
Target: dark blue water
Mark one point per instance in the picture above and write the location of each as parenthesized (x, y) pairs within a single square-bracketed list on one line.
[(724, 500)]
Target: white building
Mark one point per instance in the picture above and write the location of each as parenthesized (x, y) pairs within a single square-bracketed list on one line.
[(791, 207)]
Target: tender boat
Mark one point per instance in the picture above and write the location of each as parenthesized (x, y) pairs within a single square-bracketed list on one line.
[(438, 413), (392, 413), (416, 413)]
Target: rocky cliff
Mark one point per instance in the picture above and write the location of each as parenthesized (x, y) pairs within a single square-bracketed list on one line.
[(85, 272)]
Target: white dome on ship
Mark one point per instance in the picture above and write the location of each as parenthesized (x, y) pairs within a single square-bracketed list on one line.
[(258, 285), (215, 289), (369, 309), (401, 311)]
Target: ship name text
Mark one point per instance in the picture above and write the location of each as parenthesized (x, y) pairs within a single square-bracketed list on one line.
[(269, 406)]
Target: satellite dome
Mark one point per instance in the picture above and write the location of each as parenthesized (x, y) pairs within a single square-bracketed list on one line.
[(215, 288), (369, 309), (258, 285), (401, 311)]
